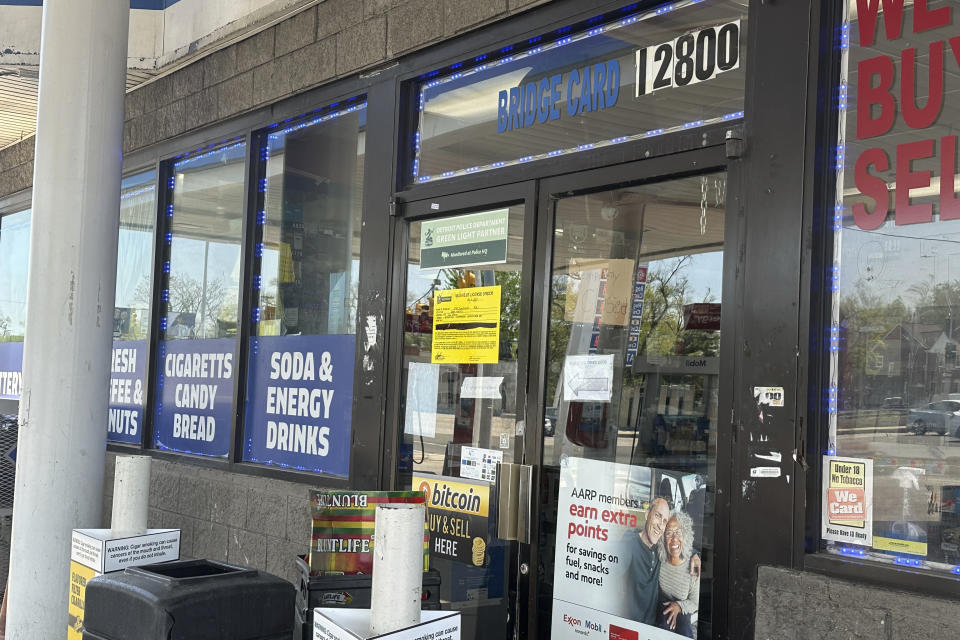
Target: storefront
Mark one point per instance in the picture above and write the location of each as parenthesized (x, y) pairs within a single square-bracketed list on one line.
[(622, 288)]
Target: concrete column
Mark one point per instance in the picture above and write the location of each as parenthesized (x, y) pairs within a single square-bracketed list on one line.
[(73, 250)]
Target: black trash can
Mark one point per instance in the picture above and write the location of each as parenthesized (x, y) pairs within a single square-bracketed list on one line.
[(189, 600)]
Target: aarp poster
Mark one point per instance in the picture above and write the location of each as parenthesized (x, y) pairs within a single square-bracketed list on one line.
[(626, 539)]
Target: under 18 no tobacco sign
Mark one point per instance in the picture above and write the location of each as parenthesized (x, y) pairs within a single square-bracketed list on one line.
[(848, 500)]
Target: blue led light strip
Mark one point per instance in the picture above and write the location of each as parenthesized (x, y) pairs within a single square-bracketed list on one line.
[(593, 145), (324, 118), (833, 275), (139, 192), (578, 37), (214, 149)]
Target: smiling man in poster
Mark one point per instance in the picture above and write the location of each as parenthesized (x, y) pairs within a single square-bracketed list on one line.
[(625, 567)]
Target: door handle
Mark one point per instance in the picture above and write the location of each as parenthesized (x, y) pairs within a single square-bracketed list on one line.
[(514, 484), (523, 507)]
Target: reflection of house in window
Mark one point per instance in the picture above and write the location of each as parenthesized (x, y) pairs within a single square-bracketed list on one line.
[(915, 361)]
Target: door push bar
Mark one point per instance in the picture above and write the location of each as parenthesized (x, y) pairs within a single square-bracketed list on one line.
[(514, 485)]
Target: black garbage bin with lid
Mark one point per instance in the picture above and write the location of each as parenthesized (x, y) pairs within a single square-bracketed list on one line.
[(189, 600)]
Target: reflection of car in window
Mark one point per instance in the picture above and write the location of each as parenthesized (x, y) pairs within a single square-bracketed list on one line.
[(895, 402), (550, 421), (940, 417)]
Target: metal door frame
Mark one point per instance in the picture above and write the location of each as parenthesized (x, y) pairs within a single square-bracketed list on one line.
[(660, 169), (443, 206)]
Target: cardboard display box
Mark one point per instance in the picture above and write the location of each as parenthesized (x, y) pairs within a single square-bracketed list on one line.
[(93, 553), (354, 624)]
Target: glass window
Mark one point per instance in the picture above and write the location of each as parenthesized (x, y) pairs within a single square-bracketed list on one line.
[(199, 299), (637, 75), (306, 269), (891, 485), (631, 406), (14, 262), (131, 315)]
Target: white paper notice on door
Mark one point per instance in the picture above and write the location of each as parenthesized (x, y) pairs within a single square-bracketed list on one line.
[(423, 381), (600, 289), (481, 387), (588, 378)]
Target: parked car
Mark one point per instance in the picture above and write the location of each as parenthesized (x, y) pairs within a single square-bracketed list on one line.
[(942, 417)]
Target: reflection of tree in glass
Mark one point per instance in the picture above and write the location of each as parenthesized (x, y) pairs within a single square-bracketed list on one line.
[(510, 293), (661, 327), (559, 336), (666, 293), (188, 296), (5, 330)]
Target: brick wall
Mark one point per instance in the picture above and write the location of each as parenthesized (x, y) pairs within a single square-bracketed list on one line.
[(257, 522), (249, 520), (795, 605)]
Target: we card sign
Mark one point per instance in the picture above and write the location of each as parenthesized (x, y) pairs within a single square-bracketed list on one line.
[(847, 514)]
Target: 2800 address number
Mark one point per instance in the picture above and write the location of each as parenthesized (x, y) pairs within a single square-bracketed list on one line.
[(691, 58)]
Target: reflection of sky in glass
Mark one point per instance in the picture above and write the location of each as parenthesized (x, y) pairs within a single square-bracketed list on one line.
[(14, 260), (135, 247), (206, 225), (888, 261), (704, 273)]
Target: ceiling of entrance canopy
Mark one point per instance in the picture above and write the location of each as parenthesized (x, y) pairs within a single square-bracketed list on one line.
[(165, 35)]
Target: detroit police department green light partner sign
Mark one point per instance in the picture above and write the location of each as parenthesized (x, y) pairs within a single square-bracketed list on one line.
[(466, 240)]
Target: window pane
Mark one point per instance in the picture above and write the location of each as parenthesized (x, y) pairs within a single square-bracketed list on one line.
[(14, 260), (131, 315), (566, 91), (200, 298), (895, 373), (306, 268), (631, 397)]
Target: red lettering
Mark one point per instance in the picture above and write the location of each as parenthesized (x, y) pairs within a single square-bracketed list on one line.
[(908, 179), (915, 117), (868, 127), (867, 19), (955, 47), (949, 203), (872, 187), (924, 19)]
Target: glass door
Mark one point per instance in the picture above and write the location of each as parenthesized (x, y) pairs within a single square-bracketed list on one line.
[(463, 382), (631, 393)]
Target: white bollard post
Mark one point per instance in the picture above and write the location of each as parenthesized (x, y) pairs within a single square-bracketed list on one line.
[(73, 271), (397, 567), (131, 496)]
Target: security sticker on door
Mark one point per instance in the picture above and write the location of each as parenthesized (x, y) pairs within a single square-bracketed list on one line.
[(769, 396), (479, 464)]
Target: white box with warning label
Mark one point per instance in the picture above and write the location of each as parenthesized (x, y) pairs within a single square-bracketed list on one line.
[(354, 624), (93, 552), (95, 549)]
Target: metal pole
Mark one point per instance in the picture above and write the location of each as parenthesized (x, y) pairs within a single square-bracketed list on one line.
[(73, 250)]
